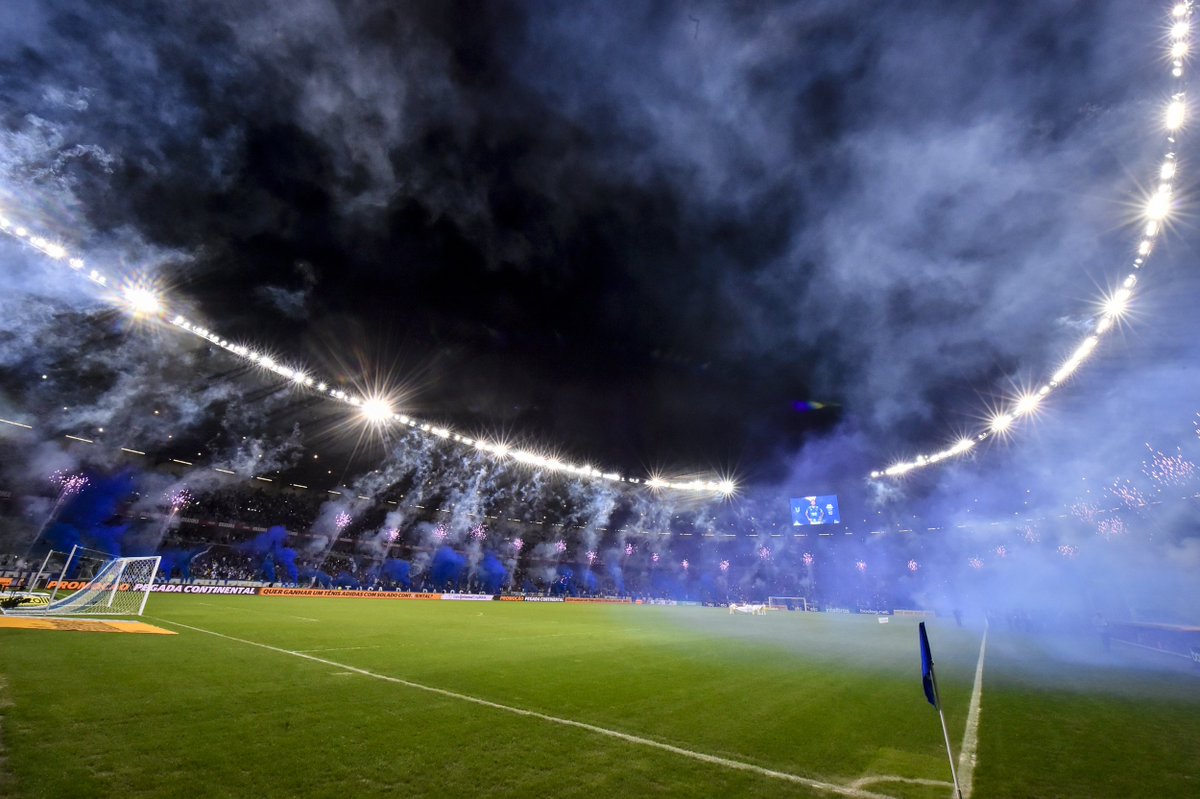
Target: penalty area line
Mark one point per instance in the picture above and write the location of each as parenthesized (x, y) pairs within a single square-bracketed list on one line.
[(737, 765)]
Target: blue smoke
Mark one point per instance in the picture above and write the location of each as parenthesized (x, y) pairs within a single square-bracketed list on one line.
[(492, 574), (87, 518), (398, 571), (271, 546), (447, 567)]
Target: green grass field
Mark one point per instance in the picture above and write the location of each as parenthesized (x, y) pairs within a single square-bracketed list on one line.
[(330, 697)]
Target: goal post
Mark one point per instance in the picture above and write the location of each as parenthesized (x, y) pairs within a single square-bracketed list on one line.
[(787, 603), (120, 588)]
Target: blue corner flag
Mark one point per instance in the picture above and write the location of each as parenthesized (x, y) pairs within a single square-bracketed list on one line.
[(927, 678)]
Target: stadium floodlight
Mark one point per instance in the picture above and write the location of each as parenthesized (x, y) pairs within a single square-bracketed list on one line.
[(376, 410), (1175, 114), (142, 301)]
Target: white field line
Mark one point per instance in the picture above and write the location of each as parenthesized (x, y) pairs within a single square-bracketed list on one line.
[(970, 743), (737, 765), (863, 781), (336, 649)]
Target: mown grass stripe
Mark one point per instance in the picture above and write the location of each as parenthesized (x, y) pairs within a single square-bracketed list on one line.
[(828, 787)]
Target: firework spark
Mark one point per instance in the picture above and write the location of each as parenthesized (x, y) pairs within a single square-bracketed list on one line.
[(591, 556), (1169, 470), (684, 563), (392, 534), (1068, 551), (724, 565), (1001, 551), (440, 532), (518, 544), (975, 563), (179, 500), (1110, 528), (478, 532), (629, 549), (69, 484), (764, 553), (1030, 534), (560, 546), (861, 565), (1084, 511), (913, 566), (1129, 494), (654, 558), (808, 559), (341, 521)]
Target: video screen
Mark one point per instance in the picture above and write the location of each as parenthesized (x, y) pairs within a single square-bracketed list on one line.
[(815, 510)]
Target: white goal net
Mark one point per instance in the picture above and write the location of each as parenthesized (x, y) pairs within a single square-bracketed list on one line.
[(119, 588), (787, 603)]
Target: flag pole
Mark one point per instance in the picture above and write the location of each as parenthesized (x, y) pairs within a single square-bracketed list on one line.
[(929, 680), (946, 735)]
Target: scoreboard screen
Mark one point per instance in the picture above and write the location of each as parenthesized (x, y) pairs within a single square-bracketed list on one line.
[(815, 510)]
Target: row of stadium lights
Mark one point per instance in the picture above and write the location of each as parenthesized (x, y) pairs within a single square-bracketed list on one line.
[(142, 301), (1156, 211)]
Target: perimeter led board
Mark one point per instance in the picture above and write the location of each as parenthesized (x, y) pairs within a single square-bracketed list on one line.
[(815, 510)]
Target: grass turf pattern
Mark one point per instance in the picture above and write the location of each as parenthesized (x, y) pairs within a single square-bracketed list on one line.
[(827, 697)]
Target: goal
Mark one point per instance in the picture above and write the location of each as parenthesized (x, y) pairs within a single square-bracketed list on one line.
[(787, 603), (119, 588)]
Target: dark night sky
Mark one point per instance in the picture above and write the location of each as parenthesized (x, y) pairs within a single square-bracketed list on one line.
[(640, 234)]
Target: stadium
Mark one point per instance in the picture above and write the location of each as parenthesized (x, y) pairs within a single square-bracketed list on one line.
[(509, 399)]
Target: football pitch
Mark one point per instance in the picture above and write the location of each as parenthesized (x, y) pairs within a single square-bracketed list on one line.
[(259, 696)]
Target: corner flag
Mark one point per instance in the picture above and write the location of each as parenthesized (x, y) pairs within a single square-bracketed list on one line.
[(927, 678), (929, 683)]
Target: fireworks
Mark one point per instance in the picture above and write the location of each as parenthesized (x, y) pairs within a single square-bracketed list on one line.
[(1169, 470), (1130, 495), (518, 544), (861, 565), (684, 563), (724, 566), (808, 559), (764, 553), (179, 500), (913, 566), (1110, 528), (1084, 511), (629, 549), (478, 532), (392, 534), (440, 532), (654, 558), (341, 521), (69, 484), (1030, 534), (1068, 551), (1001, 551), (591, 556), (975, 563), (560, 546)]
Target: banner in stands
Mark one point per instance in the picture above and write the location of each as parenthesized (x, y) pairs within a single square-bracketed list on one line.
[(598, 600), (178, 588), (348, 594), (75, 585), (469, 597), (543, 599), (922, 613)]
